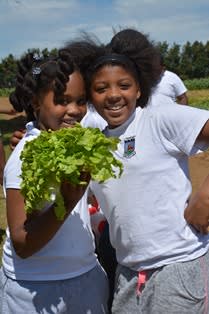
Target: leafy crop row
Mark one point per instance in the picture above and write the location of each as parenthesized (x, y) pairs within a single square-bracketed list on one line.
[(4, 92), (196, 84)]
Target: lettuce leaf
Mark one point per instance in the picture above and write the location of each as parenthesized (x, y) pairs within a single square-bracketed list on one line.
[(56, 156)]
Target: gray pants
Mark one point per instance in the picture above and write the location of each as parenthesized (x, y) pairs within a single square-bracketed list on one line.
[(179, 288), (85, 294)]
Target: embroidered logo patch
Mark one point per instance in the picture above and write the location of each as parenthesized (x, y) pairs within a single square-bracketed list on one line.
[(129, 147)]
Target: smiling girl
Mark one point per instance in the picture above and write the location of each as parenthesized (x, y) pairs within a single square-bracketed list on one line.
[(49, 265), (163, 260)]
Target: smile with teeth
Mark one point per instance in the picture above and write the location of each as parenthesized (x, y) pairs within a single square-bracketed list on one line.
[(69, 122), (115, 107)]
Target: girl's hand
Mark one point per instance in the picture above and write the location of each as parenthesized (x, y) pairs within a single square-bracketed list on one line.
[(73, 193), (197, 211), (11, 112), (16, 137)]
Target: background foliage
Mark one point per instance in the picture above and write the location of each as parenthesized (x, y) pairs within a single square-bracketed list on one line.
[(190, 61), (8, 67)]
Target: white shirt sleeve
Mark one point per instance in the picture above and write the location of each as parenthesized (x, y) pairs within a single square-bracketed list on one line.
[(181, 126)]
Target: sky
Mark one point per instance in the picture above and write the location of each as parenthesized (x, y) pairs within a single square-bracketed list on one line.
[(27, 24)]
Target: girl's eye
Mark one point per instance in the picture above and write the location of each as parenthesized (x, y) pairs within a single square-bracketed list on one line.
[(82, 102), (125, 86), (100, 90), (65, 102), (62, 101)]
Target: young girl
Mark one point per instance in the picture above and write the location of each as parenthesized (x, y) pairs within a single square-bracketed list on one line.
[(163, 260), (48, 265)]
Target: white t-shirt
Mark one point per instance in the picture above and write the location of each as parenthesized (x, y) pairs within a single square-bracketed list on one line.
[(70, 253), (93, 119), (170, 85), (145, 207)]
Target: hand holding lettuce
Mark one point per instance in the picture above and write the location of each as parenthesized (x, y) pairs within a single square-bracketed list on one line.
[(62, 155)]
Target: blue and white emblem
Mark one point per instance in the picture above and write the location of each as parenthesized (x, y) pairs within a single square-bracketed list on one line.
[(129, 147)]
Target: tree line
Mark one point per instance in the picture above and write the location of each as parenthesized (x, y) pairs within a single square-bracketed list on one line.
[(189, 61), (8, 66)]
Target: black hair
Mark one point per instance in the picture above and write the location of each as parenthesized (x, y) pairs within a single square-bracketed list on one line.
[(142, 51), (162, 63), (37, 75), (137, 48)]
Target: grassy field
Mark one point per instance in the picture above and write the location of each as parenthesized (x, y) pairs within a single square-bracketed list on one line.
[(9, 124), (199, 98)]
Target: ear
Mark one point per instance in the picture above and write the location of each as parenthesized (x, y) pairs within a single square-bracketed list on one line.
[(138, 94)]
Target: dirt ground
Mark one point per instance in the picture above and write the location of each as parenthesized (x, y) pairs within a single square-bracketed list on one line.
[(199, 164), (9, 123)]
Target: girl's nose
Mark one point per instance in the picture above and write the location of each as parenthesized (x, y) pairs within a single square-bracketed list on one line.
[(114, 95), (76, 111), (72, 108)]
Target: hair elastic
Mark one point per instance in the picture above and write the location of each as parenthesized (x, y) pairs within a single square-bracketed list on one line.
[(112, 58), (36, 71), (37, 57)]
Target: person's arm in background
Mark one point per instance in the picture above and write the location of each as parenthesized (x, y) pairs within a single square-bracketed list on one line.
[(180, 91), (9, 111), (2, 161), (182, 99)]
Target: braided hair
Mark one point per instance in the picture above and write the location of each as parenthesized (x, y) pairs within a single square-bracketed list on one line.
[(36, 76)]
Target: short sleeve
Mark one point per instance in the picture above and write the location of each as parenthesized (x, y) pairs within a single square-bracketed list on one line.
[(181, 126)]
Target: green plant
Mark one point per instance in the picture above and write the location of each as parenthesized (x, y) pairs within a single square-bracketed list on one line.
[(197, 84), (4, 92), (72, 151)]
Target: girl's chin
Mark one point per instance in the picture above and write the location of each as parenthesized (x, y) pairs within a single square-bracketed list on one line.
[(114, 123)]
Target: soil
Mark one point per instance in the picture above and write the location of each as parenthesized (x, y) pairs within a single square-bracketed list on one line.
[(199, 164)]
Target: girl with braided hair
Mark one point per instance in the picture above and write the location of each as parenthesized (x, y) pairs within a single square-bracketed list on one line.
[(49, 265)]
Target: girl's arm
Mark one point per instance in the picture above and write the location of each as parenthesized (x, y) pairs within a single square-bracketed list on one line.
[(182, 99), (204, 133), (2, 161), (197, 211), (16, 137), (31, 233)]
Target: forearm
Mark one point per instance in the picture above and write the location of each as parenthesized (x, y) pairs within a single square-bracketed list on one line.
[(30, 233), (9, 111), (1, 171), (2, 162), (37, 231), (1, 176), (182, 99), (16, 137), (197, 211)]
